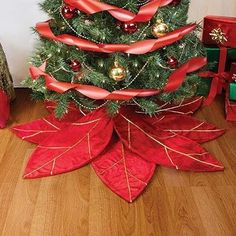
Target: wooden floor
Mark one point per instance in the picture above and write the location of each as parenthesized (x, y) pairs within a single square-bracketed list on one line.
[(77, 203)]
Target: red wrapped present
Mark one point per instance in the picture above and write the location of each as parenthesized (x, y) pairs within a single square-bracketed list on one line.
[(4, 109), (230, 108), (220, 30)]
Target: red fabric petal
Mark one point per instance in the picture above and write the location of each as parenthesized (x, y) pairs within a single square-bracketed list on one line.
[(4, 109), (72, 147), (187, 126), (187, 106), (123, 171), (163, 148), (39, 130)]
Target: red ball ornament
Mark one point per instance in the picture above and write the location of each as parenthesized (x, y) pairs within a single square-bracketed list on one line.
[(75, 65), (129, 27), (68, 12), (172, 62), (175, 3)]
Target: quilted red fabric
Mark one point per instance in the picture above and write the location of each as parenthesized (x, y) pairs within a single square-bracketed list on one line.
[(124, 150)]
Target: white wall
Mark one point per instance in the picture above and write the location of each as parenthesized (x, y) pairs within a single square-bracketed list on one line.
[(17, 16)]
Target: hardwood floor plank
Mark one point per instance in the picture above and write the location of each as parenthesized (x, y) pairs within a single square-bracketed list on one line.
[(211, 206), (79, 204)]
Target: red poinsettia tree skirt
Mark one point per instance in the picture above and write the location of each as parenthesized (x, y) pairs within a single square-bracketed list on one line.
[(124, 150)]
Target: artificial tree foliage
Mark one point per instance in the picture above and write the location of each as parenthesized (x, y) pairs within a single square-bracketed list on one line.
[(150, 70)]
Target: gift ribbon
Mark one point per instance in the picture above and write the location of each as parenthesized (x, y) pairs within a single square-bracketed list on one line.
[(145, 13), (174, 82), (138, 48), (220, 79)]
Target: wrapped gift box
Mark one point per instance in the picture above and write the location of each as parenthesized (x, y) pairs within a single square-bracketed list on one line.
[(232, 85), (213, 55), (219, 30)]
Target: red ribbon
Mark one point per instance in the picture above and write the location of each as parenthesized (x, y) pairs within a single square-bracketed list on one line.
[(220, 79), (141, 47), (145, 13), (174, 82)]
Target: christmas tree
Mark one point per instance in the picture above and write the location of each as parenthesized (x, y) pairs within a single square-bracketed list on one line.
[(116, 46), (122, 61)]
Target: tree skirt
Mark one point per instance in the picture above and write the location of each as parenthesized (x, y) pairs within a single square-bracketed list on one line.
[(124, 150)]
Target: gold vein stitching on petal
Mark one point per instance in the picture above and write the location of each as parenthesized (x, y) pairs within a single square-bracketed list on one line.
[(136, 178), (89, 147), (86, 123), (51, 124), (181, 105), (57, 157), (129, 135), (163, 117), (40, 132), (53, 166), (171, 149), (168, 155), (32, 130), (125, 169), (51, 148), (110, 167)]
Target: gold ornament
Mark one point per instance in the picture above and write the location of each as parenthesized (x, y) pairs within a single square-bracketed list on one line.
[(160, 29), (117, 72), (218, 35)]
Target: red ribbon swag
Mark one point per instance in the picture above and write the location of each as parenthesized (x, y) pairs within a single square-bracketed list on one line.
[(174, 82), (145, 13), (137, 48)]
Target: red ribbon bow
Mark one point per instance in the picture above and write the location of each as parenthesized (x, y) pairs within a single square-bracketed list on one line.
[(219, 82), (220, 79)]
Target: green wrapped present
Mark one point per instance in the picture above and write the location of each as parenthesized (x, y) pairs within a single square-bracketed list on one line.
[(213, 54), (232, 85), (232, 91)]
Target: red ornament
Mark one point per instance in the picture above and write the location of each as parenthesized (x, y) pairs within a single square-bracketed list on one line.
[(129, 27), (75, 65), (68, 12), (172, 62), (175, 3)]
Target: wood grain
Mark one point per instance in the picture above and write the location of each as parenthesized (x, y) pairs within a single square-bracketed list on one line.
[(77, 203)]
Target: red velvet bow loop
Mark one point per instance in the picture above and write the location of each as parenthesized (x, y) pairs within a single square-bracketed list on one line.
[(219, 82)]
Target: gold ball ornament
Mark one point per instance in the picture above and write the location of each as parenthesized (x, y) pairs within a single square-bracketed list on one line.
[(160, 29), (117, 72)]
